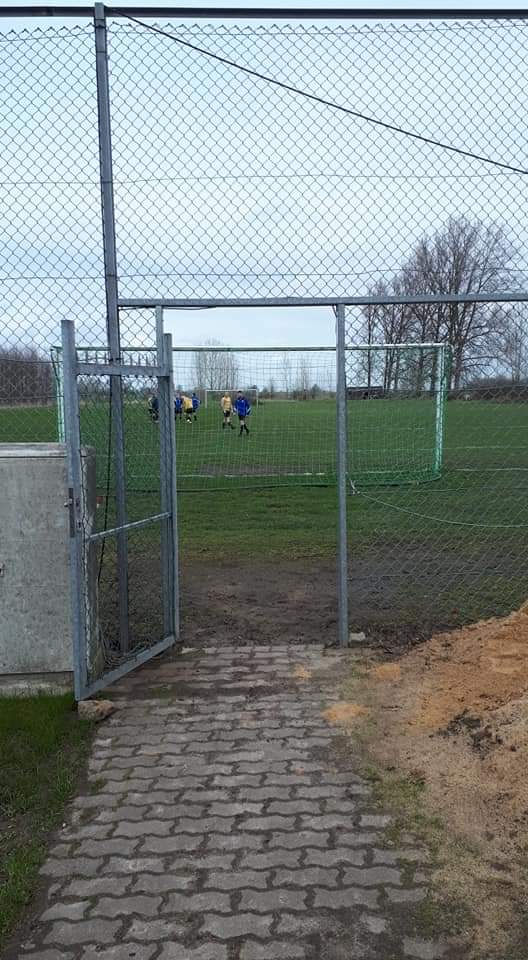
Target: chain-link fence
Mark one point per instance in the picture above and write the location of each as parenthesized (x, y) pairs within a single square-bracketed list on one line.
[(371, 161)]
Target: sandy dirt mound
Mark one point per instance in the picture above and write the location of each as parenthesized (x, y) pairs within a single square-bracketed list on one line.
[(455, 712)]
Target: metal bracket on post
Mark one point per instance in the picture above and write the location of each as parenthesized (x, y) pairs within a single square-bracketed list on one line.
[(341, 467), (74, 504), (112, 310)]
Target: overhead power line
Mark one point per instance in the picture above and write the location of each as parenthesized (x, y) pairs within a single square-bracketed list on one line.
[(394, 128)]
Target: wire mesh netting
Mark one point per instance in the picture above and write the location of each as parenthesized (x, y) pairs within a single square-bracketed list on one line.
[(230, 186), (451, 550), (143, 544), (273, 420), (320, 161)]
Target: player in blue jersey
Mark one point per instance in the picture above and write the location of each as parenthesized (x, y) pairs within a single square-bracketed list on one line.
[(195, 405), (243, 409), (178, 406)]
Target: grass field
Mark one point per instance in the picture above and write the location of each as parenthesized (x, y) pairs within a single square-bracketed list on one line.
[(43, 748), (447, 550)]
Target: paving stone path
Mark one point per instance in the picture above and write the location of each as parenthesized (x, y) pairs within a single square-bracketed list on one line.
[(223, 820)]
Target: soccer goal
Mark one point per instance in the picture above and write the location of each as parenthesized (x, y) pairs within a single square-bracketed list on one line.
[(395, 410), (396, 396)]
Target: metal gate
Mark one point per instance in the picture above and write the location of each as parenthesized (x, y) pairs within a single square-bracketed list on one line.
[(113, 540)]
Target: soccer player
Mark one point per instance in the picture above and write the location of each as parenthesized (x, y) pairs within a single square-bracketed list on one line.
[(243, 408), (178, 406), (195, 405), (227, 409), (187, 408), (153, 405)]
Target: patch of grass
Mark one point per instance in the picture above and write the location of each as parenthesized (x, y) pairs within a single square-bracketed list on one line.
[(437, 917), (403, 798), (43, 749), (97, 785)]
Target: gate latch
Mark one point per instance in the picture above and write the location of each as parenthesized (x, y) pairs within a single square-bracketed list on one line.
[(69, 504)]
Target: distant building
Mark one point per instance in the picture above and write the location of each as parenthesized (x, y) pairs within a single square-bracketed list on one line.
[(365, 393)]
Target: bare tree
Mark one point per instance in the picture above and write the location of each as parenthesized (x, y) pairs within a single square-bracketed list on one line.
[(464, 257), (26, 377), (287, 373), (385, 323), (509, 345), (302, 383), (215, 369)]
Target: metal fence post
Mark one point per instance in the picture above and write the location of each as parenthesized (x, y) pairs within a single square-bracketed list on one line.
[(75, 504), (440, 408), (173, 494), (112, 309), (341, 466), (165, 415)]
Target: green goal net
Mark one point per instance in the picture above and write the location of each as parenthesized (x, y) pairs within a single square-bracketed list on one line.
[(288, 433), (396, 397)]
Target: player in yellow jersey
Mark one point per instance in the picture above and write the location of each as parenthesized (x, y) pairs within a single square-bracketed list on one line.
[(187, 408), (227, 410)]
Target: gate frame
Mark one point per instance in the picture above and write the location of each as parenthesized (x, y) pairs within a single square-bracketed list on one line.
[(80, 542), (339, 305)]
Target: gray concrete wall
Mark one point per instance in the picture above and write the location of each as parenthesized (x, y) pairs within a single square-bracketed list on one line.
[(35, 633)]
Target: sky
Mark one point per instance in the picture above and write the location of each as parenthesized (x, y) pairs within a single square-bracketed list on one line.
[(227, 187)]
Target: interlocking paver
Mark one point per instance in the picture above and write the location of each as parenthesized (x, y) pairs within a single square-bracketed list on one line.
[(341, 899), (72, 867), (142, 828), (103, 848), (373, 876), (164, 845), (227, 826), (137, 865), (275, 950), (116, 886), (84, 931), (272, 858), (270, 900), (121, 952), (156, 930), (126, 906), (237, 880), (207, 951), (300, 839), (239, 925), (306, 877), (212, 901), (163, 883), (338, 855), (67, 911)]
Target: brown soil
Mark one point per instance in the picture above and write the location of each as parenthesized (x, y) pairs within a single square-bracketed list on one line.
[(287, 601), (454, 713), (259, 603)]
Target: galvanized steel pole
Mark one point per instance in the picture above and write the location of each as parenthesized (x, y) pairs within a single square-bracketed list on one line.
[(112, 310), (173, 494), (341, 467), (78, 584)]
